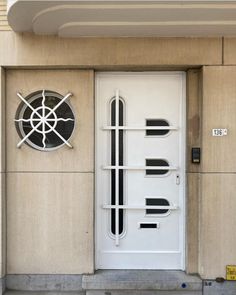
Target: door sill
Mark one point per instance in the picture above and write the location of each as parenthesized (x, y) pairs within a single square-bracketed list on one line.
[(165, 280)]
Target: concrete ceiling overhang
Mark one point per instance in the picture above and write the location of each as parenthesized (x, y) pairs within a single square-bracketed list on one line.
[(122, 18)]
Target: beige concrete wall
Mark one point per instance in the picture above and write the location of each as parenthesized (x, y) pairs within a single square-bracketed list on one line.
[(229, 51), (218, 224), (28, 50), (218, 202), (50, 223), (219, 105), (50, 195), (2, 176), (194, 122), (78, 159)]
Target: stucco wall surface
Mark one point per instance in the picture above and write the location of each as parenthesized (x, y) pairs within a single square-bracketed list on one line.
[(28, 50), (193, 122), (50, 194), (2, 176), (230, 51), (218, 202)]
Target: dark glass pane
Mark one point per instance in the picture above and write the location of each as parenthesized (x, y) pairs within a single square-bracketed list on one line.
[(157, 202), (64, 128), (121, 174), (156, 162), (156, 122)]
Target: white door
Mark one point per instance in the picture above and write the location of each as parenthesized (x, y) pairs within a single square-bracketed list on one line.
[(140, 170)]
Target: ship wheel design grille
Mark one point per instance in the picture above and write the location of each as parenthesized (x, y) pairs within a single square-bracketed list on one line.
[(45, 120)]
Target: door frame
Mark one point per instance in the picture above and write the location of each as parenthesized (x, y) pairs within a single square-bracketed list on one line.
[(182, 156)]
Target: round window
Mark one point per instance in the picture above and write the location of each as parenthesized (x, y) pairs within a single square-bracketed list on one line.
[(45, 120)]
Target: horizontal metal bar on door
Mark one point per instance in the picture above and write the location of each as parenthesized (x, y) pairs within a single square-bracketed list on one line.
[(140, 168), (134, 207), (140, 128)]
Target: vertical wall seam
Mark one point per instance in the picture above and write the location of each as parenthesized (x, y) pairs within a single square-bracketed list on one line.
[(200, 108), (3, 175), (94, 169), (201, 94), (223, 50), (194, 97), (5, 154), (1, 215)]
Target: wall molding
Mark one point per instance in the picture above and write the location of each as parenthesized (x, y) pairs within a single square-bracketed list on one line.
[(28, 50)]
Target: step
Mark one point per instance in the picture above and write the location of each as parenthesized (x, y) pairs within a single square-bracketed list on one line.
[(137, 292), (15, 292), (141, 282), (99, 292)]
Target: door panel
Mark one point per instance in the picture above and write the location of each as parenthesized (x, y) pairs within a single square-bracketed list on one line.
[(147, 169)]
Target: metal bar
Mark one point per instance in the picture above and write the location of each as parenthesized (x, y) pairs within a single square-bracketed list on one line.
[(59, 135), (28, 134), (141, 128), (117, 169), (137, 207), (28, 105), (43, 122), (57, 106), (27, 120), (140, 167)]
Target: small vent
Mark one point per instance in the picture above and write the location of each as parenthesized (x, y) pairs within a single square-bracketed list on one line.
[(156, 202), (156, 162), (157, 123)]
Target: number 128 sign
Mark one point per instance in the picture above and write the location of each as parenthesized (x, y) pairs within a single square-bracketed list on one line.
[(219, 132)]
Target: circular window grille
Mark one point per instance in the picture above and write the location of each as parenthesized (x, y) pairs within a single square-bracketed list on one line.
[(45, 120)]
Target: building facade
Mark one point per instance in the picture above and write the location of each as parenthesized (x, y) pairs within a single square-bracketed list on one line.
[(117, 146)]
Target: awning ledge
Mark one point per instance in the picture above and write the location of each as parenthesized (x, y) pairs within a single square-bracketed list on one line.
[(123, 18)]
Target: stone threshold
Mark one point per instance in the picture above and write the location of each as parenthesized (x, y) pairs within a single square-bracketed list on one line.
[(116, 282), (162, 280)]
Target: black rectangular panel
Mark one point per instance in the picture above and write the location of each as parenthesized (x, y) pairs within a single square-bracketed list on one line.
[(148, 225)]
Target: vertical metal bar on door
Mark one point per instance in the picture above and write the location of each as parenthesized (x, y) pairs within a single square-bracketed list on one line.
[(117, 169)]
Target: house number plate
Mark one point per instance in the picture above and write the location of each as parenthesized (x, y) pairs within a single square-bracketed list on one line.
[(231, 272), (219, 132)]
